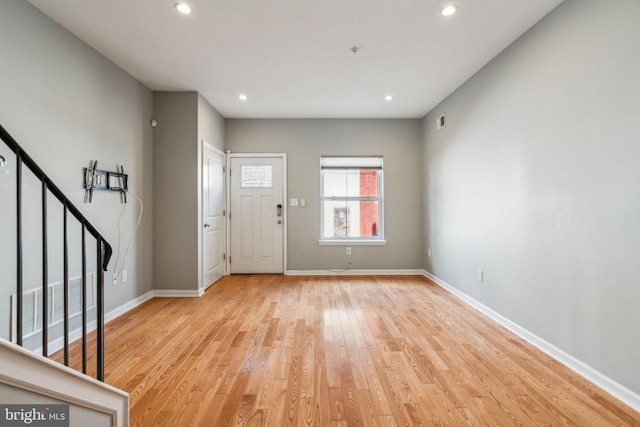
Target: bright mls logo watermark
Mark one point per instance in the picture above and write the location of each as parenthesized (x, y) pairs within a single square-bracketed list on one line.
[(34, 415)]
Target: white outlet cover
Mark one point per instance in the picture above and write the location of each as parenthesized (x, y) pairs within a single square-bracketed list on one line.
[(293, 202)]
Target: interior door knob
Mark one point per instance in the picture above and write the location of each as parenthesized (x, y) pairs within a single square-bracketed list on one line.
[(206, 225), (279, 221)]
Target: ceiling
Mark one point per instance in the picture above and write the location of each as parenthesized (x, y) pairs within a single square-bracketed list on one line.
[(293, 58)]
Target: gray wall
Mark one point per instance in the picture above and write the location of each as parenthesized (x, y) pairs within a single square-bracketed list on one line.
[(66, 105), (184, 119), (305, 141), (175, 181), (535, 181), (211, 125)]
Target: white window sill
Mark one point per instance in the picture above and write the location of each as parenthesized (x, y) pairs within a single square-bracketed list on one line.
[(352, 242)]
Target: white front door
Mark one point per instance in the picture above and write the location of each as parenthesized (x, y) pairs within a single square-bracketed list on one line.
[(213, 232), (257, 214)]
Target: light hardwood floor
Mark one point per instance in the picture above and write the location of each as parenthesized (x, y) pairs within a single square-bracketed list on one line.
[(339, 351)]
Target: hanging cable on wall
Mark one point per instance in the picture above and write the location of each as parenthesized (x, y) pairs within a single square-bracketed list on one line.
[(117, 272), (96, 179)]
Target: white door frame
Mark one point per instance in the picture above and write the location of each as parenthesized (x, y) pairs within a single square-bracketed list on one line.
[(203, 143), (285, 199)]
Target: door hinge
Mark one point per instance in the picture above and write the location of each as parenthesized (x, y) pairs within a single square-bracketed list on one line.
[(224, 169), (224, 256), (224, 212), (229, 259)]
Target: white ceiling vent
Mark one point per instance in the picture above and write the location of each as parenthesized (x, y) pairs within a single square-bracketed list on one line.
[(441, 122)]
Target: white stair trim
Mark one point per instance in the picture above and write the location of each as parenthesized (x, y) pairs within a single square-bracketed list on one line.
[(23, 369)]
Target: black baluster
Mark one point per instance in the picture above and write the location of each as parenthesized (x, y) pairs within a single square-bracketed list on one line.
[(84, 300), (100, 312), (19, 278), (66, 287), (45, 275)]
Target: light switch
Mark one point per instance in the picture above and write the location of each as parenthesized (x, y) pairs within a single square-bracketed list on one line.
[(303, 203), (293, 202)]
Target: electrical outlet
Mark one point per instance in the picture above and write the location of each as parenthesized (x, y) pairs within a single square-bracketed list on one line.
[(124, 276), (115, 279), (480, 275), (348, 251)]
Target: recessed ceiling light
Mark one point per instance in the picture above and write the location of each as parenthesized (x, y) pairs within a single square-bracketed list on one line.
[(242, 97), (449, 10), (183, 8), (388, 98)]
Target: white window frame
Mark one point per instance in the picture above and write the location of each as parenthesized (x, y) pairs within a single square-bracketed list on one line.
[(352, 163)]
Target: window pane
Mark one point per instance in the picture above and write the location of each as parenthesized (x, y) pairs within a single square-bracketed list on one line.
[(350, 183), (336, 219), (334, 183), (369, 223), (340, 224), (256, 176), (368, 183), (353, 183), (351, 219)]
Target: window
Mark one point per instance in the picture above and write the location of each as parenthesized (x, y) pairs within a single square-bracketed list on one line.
[(256, 176), (351, 199)]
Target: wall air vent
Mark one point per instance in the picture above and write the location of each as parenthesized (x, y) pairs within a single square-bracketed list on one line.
[(441, 122), (32, 305)]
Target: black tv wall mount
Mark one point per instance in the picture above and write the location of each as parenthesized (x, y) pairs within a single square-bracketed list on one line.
[(96, 179)]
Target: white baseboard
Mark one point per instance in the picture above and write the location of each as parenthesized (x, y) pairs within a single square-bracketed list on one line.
[(128, 306), (178, 293), (382, 272), (58, 343), (612, 387), (76, 334)]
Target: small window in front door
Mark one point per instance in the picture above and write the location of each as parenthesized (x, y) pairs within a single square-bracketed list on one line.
[(256, 176)]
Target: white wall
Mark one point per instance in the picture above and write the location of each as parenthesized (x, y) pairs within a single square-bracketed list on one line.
[(535, 181), (304, 141), (66, 105)]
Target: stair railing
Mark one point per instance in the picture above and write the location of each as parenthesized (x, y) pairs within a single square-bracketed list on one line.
[(103, 254)]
